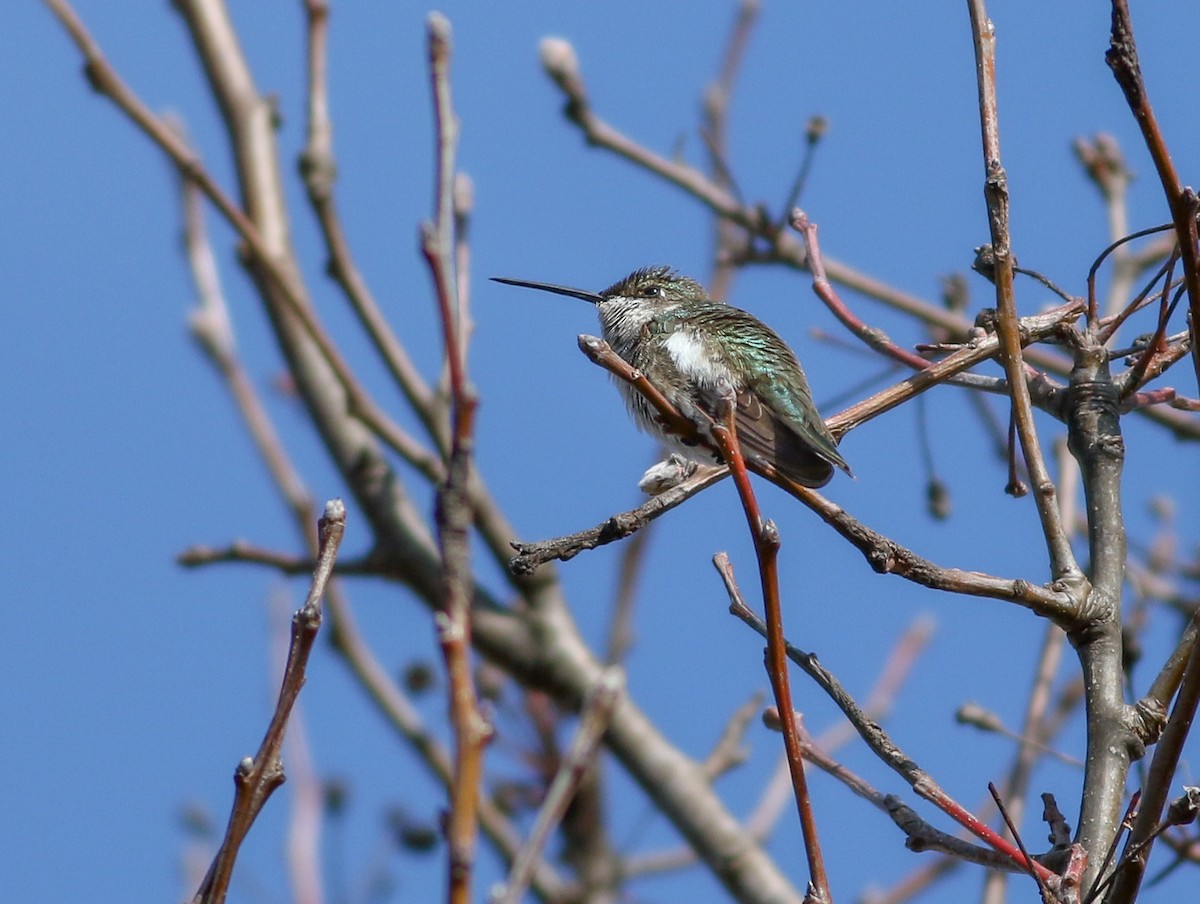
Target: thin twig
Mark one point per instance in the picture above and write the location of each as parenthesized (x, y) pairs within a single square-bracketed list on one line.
[(879, 702), (728, 751), (594, 718), (920, 835), (1011, 825), (318, 169), (531, 556), (290, 290), (307, 795), (884, 747), (823, 288), (776, 662), (629, 572), (257, 777), (729, 236), (1122, 58), (454, 511), (1063, 566)]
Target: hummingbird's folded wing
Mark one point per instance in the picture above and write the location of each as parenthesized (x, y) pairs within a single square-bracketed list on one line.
[(771, 439)]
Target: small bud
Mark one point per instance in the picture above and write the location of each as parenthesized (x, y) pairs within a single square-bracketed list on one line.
[(418, 677), (558, 58), (439, 29), (335, 793), (1184, 809), (985, 262), (411, 834), (937, 497), (976, 715), (986, 320)]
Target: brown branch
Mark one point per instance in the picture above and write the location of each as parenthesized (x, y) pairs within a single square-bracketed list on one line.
[(879, 702), (257, 777), (888, 557), (920, 835), (307, 795), (1122, 58), (1035, 327), (318, 169), (454, 511), (885, 748), (530, 556), (1063, 566), (593, 720), (285, 283)]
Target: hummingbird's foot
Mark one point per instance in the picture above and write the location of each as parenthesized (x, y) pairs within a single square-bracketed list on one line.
[(670, 472)]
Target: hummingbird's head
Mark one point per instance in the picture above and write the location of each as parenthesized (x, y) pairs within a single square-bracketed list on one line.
[(655, 286)]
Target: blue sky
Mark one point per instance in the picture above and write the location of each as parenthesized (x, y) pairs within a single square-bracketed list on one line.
[(129, 688)]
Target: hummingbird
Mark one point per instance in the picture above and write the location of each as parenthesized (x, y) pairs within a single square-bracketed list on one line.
[(665, 325)]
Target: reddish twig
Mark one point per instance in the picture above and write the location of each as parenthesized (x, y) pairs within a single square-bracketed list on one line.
[(454, 509), (886, 749), (766, 544), (766, 547), (1122, 58), (873, 337)]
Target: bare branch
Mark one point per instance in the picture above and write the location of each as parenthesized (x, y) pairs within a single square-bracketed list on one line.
[(885, 748), (593, 721), (1122, 58), (766, 547), (454, 510), (1063, 566), (257, 777)]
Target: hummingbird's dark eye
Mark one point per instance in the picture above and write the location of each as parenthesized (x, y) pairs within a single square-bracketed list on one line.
[(652, 291)]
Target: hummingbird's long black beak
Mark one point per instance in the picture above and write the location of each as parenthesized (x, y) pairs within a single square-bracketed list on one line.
[(593, 297)]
